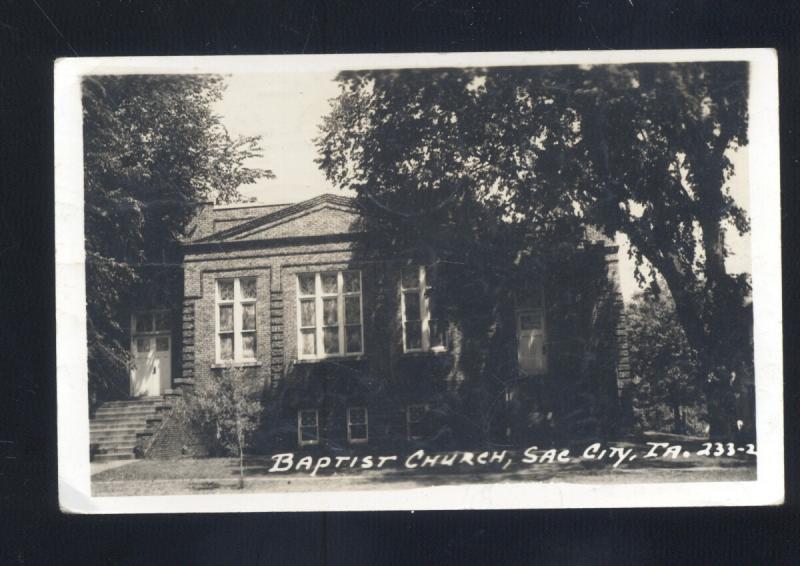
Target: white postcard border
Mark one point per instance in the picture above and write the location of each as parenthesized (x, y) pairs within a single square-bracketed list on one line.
[(73, 422)]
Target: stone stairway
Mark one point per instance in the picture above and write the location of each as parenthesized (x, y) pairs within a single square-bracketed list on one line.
[(117, 427)]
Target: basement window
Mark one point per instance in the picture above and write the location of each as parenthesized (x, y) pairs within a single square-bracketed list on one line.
[(357, 425), (307, 427)]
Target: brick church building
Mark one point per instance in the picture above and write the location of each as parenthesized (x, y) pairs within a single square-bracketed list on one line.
[(353, 349)]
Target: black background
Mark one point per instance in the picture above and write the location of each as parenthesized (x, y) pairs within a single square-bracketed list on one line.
[(32, 529)]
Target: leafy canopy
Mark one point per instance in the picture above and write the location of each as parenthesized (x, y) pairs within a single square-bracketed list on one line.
[(524, 157), (153, 149)]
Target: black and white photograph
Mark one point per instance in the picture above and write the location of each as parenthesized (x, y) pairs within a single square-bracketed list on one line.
[(451, 281)]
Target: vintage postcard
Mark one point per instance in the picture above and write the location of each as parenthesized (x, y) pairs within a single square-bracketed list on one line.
[(418, 281)]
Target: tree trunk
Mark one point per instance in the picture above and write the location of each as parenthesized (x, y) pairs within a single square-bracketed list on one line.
[(678, 425), (240, 442), (721, 403), (710, 335)]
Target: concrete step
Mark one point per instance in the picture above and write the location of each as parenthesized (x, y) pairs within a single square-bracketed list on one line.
[(132, 402), (112, 429), (107, 438), (138, 425), (111, 457), (116, 426), (111, 449), (123, 416), (136, 410), (113, 436), (121, 421), (112, 425), (131, 439)]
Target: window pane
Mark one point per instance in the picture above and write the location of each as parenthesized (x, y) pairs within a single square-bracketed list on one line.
[(248, 317), (307, 313), (248, 287), (225, 317), (249, 345), (306, 283), (161, 320), (308, 434), (144, 322), (358, 416), (413, 335), (411, 305), (225, 290), (162, 343), (309, 342), (352, 310), (330, 339), (143, 345), (410, 277), (226, 347), (437, 328), (308, 418), (330, 311), (352, 281), (330, 283), (353, 334), (358, 432)]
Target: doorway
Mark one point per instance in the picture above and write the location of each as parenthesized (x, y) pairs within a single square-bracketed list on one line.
[(151, 351)]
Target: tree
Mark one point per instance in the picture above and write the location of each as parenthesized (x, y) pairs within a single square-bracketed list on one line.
[(226, 409), (153, 149), (661, 360), (537, 152)]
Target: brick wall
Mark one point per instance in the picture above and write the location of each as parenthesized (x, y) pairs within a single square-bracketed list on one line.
[(229, 217), (173, 438), (386, 377)]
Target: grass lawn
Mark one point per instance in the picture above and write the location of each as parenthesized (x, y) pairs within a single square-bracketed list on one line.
[(211, 475)]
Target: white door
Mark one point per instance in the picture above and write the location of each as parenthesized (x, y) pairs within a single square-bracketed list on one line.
[(531, 347), (150, 375), (152, 357)]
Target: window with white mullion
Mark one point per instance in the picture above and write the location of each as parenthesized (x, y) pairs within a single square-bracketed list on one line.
[(357, 425), (328, 286), (351, 313), (236, 319), (225, 319), (329, 314), (413, 309), (307, 426), (421, 331)]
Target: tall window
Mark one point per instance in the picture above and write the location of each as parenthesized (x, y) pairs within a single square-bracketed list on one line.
[(236, 319), (329, 317), (357, 424), (423, 330), (532, 334), (307, 427)]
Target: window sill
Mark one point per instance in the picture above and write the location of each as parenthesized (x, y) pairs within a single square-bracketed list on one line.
[(243, 364), (335, 359)]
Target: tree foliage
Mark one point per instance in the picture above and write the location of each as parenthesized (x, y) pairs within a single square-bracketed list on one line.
[(662, 364), (153, 149), (527, 156), (226, 408)]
